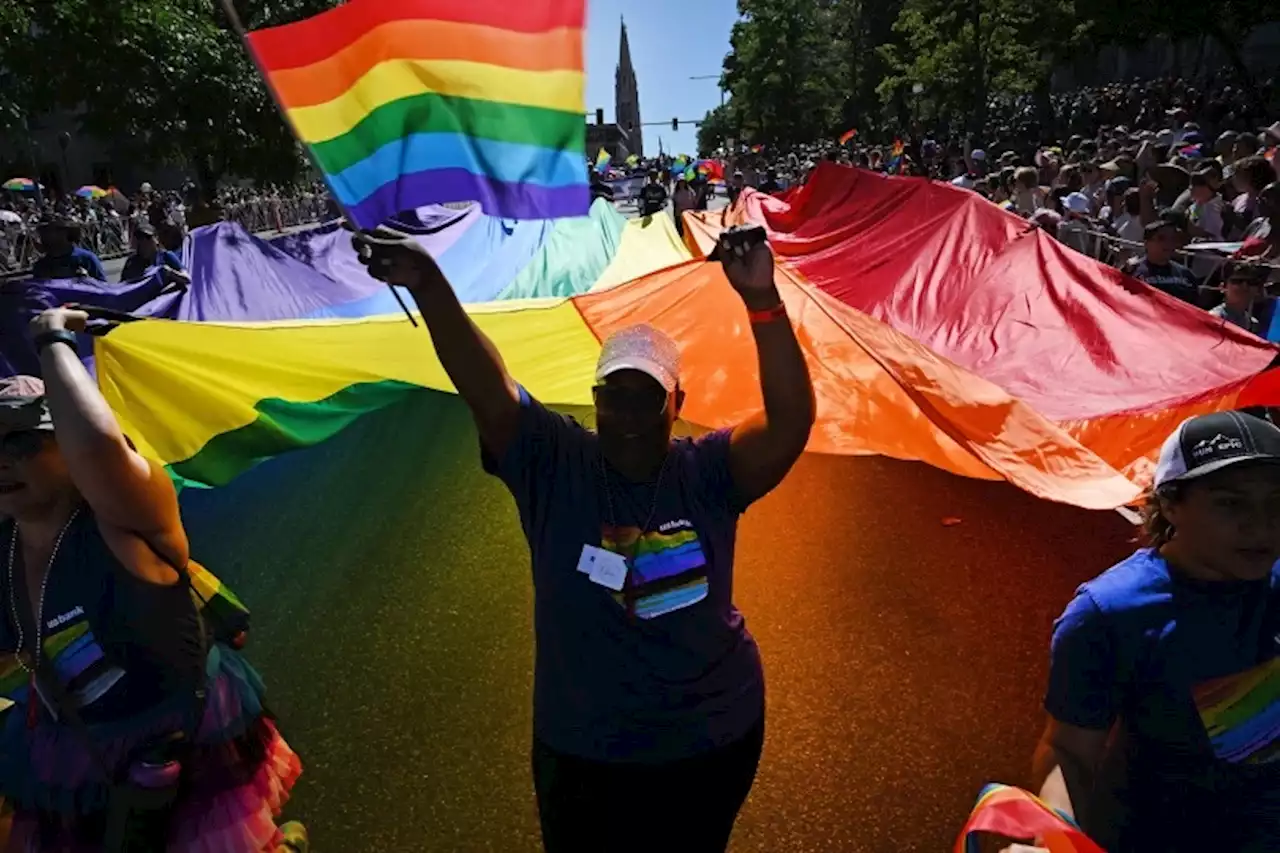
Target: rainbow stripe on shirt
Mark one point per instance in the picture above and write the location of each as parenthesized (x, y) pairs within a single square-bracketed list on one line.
[(668, 570), (77, 658), (1241, 714)]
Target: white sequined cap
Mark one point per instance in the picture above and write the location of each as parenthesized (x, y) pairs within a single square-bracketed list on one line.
[(641, 348)]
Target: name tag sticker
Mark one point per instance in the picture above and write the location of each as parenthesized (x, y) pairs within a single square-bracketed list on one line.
[(603, 567), (587, 561)]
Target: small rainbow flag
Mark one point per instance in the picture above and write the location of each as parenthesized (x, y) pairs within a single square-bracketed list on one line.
[(847, 135), (603, 159), (897, 158), (412, 102), (1018, 814)]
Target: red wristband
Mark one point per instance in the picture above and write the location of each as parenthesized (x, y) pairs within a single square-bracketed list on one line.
[(768, 315)]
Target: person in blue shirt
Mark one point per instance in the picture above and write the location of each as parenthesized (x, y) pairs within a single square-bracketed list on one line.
[(1158, 268), (62, 258), (1164, 685), (648, 690), (147, 255)]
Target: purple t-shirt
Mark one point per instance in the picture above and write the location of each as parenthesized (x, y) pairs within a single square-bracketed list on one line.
[(665, 669)]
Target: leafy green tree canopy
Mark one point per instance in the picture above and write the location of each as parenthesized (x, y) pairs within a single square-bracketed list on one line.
[(169, 79)]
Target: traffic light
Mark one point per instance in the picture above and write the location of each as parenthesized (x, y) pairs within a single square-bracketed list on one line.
[(599, 117), (675, 124)]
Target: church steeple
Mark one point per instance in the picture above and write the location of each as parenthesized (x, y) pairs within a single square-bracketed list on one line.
[(627, 95), (624, 52)]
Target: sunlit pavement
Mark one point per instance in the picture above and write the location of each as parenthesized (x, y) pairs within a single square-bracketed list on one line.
[(905, 657)]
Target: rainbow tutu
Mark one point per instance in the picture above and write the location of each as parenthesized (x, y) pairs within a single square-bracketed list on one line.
[(236, 781)]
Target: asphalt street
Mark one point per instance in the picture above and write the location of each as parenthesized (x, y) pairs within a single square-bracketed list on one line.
[(905, 652)]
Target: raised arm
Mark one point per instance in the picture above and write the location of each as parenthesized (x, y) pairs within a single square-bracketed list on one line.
[(126, 491), (765, 446), (467, 355)]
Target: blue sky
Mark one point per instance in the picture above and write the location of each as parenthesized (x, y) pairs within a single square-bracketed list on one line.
[(671, 41)]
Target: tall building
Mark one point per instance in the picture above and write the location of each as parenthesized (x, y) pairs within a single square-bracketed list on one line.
[(625, 136), (627, 97)]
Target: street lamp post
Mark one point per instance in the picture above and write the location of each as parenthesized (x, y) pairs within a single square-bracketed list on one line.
[(64, 142), (712, 77)]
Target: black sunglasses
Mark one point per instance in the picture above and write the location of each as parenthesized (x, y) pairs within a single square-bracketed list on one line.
[(23, 444), (615, 398)]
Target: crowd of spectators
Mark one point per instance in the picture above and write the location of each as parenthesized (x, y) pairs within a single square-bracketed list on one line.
[(106, 226), (1174, 181)]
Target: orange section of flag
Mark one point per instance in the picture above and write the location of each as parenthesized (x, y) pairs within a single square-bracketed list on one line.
[(877, 390), (424, 40)]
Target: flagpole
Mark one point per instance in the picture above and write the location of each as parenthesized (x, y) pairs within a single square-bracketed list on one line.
[(228, 6)]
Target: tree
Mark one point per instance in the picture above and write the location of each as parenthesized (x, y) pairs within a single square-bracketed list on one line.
[(784, 71), (961, 51), (715, 129), (1228, 22), (862, 27), (167, 79)]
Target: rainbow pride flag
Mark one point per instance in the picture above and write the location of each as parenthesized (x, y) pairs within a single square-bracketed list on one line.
[(897, 158), (411, 102), (848, 135), (1015, 813)]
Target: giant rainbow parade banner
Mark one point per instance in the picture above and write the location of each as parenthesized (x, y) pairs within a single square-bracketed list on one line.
[(938, 329)]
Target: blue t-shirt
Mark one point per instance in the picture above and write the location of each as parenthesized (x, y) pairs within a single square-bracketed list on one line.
[(1191, 672), (136, 267), (71, 265), (665, 669), (1173, 278)]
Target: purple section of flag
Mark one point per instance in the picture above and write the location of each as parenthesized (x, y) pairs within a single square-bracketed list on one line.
[(328, 248), (497, 198), (235, 276)]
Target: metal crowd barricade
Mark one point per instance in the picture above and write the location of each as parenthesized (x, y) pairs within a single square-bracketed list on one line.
[(20, 247), (106, 238), (1204, 259), (111, 237), (273, 214)]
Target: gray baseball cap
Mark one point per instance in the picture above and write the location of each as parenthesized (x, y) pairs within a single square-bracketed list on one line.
[(22, 404), (641, 348), (1208, 443)]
